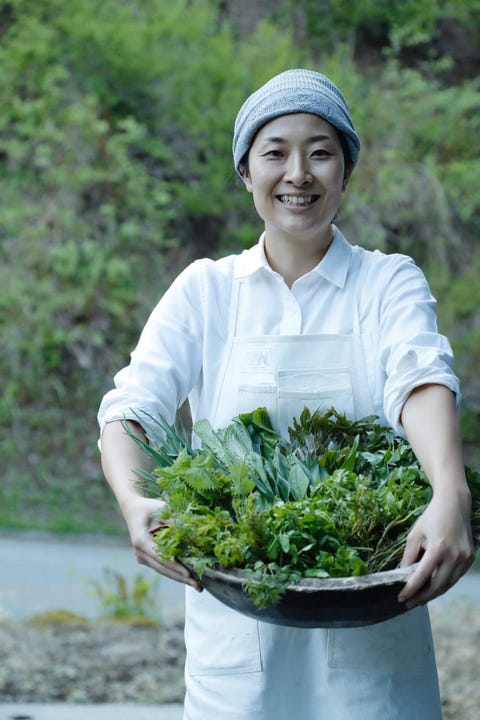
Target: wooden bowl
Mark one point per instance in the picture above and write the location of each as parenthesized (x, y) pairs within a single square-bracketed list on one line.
[(315, 602)]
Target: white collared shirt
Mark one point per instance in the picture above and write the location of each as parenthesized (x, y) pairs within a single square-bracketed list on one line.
[(180, 349)]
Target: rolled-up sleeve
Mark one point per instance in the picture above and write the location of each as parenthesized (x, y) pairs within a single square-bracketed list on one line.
[(413, 352), (167, 361)]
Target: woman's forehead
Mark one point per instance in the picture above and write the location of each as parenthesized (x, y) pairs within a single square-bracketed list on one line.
[(304, 126)]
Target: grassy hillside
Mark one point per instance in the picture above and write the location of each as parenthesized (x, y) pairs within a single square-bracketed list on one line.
[(115, 172)]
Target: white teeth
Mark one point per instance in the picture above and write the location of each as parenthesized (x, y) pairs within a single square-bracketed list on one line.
[(296, 200)]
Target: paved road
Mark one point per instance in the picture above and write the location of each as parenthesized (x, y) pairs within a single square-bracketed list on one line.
[(46, 572), (61, 711)]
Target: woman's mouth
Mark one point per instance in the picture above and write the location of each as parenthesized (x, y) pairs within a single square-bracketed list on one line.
[(297, 200)]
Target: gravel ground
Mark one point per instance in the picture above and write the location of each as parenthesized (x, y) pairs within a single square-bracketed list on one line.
[(456, 631), (90, 662), (100, 662)]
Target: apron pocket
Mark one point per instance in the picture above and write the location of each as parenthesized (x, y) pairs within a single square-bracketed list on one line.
[(219, 640), (254, 395), (401, 645), (315, 389)]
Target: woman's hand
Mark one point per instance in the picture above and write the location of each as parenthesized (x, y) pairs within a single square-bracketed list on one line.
[(141, 516), (120, 457), (441, 540)]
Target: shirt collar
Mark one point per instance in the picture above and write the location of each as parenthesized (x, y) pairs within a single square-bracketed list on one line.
[(333, 267), (252, 260)]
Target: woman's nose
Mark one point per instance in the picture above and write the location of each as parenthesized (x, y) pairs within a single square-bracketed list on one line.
[(297, 170)]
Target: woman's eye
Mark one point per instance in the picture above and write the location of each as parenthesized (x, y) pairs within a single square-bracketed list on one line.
[(320, 153), (274, 153)]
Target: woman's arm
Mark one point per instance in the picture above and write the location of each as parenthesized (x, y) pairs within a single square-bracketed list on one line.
[(120, 457), (441, 539)]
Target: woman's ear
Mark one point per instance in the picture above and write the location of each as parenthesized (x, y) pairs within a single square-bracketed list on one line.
[(346, 179), (247, 181), (244, 172)]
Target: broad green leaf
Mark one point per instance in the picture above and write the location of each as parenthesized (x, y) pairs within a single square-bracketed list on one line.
[(299, 482)]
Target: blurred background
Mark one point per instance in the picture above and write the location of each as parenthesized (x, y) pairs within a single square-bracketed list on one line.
[(115, 171), (116, 120)]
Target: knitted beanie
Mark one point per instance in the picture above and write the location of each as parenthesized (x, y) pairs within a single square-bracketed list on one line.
[(293, 91)]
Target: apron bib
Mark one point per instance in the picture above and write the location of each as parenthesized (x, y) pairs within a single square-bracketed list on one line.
[(240, 669)]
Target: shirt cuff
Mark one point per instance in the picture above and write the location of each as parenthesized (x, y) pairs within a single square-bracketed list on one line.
[(418, 366)]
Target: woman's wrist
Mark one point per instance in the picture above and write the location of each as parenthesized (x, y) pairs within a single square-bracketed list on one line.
[(450, 481), (453, 493)]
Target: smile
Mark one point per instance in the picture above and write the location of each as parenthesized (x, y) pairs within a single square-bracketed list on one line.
[(297, 200)]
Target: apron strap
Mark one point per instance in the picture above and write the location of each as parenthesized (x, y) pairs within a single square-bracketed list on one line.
[(234, 295), (364, 402), (359, 285), (231, 330)]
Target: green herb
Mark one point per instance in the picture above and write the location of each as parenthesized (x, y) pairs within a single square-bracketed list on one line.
[(336, 500)]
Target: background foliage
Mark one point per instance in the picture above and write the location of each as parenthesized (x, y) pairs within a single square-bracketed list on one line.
[(115, 170)]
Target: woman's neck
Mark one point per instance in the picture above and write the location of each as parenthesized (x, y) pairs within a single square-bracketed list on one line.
[(294, 258)]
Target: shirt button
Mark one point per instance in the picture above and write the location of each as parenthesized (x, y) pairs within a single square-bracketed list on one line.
[(293, 319)]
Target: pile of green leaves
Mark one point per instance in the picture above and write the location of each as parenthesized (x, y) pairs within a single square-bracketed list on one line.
[(337, 499)]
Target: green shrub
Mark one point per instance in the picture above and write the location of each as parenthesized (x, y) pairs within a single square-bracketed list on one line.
[(394, 24), (116, 171), (109, 186)]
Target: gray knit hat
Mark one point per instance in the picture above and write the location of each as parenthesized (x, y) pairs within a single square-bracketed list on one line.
[(293, 91)]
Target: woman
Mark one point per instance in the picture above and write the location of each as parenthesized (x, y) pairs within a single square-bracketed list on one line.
[(302, 318)]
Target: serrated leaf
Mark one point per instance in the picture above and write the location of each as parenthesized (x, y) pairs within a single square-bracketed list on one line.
[(242, 483)]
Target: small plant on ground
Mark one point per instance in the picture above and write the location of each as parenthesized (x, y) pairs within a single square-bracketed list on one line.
[(135, 602)]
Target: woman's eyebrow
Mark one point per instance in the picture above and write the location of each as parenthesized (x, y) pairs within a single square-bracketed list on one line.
[(319, 138), (313, 139), (274, 140)]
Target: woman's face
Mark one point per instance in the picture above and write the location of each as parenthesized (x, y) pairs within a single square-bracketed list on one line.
[(296, 174)]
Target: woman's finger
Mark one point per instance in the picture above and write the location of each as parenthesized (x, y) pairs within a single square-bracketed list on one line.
[(146, 554), (435, 575), (419, 578)]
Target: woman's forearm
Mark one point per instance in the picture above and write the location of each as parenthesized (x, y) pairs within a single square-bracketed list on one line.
[(441, 539), (121, 457), (430, 420)]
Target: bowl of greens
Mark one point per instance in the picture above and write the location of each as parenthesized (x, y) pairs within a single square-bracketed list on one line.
[(315, 602), (307, 531)]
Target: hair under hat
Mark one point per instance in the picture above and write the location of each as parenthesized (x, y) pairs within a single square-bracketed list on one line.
[(293, 91)]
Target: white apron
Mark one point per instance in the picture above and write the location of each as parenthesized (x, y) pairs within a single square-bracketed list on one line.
[(240, 669)]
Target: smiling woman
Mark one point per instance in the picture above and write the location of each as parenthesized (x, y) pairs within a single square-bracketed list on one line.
[(303, 318), (296, 174)]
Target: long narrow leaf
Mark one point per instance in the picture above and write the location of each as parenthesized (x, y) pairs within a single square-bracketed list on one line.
[(211, 441), (156, 453)]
